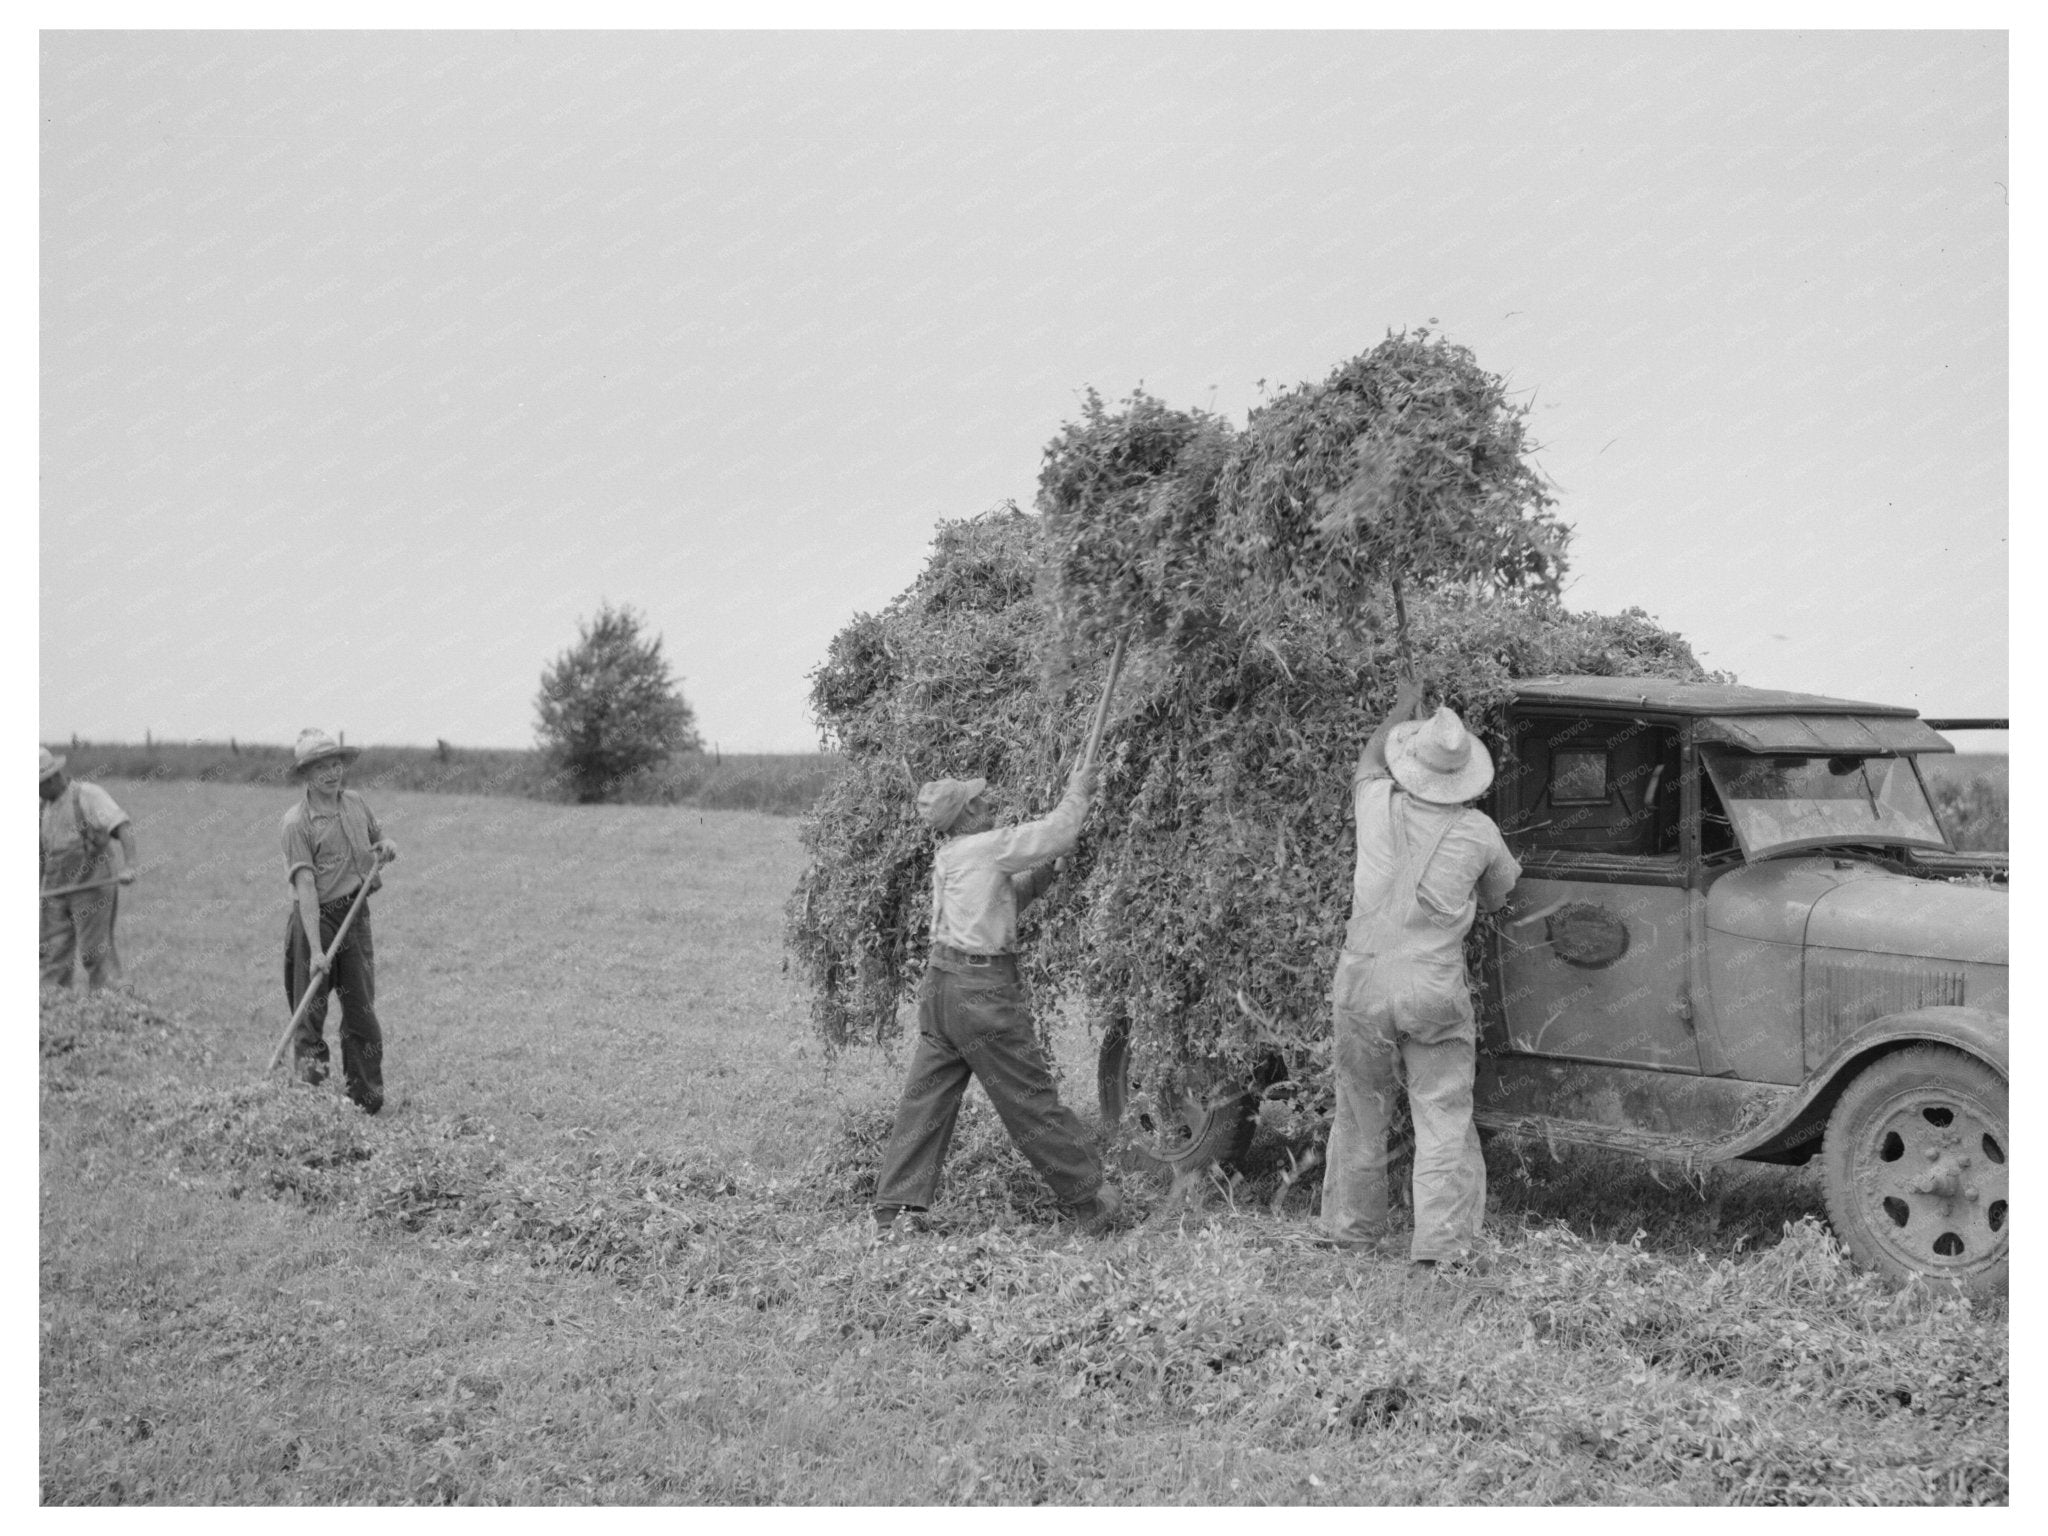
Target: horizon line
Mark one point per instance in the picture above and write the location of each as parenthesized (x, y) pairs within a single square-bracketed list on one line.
[(75, 741)]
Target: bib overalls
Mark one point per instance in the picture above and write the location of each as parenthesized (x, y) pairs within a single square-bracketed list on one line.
[(1402, 1009)]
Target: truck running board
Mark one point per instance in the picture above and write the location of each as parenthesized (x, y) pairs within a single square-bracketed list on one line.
[(1549, 1131), (1667, 1115)]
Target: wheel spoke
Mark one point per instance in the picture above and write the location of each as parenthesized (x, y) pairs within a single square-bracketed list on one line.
[(1893, 1179), (1898, 1156)]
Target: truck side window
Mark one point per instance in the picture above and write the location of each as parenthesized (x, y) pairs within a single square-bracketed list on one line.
[(1577, 784)]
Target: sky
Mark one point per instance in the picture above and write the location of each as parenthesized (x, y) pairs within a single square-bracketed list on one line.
[(371, 363)]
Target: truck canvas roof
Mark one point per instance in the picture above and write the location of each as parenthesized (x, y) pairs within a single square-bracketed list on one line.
[(1753, 719), (1692, 698)]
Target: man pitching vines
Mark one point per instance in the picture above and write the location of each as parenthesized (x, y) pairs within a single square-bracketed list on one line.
[(1426, 860), (332, 844), (85, 840), (972, 1017)]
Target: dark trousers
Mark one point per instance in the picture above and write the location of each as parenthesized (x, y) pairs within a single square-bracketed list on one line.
[(976, 1024), (352, 978), (80, 929)]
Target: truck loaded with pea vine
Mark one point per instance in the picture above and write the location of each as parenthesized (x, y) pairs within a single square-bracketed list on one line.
[(1741, 930)]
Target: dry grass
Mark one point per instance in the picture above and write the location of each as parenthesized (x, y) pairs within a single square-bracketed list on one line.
[(604, 1246)]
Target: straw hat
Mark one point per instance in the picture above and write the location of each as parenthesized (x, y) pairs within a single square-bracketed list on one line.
[(941, 801), (315, 745), (52, 762), (1438, 760)]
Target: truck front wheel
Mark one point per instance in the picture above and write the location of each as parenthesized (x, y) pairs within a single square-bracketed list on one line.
[(1916, 1168), (1174, 1115)]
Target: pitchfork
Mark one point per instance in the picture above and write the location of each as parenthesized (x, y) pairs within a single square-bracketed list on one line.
[(326, 962)]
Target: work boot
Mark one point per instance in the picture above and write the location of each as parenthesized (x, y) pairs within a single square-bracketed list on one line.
[(893, 1223), (1100, 1214), (1458, 1267)]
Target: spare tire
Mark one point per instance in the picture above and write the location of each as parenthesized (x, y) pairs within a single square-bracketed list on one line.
[(1178, 1116)]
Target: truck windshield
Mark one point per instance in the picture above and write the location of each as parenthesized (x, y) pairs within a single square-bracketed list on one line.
[(1781, 802)]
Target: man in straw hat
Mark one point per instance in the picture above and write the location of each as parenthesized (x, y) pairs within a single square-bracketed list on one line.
[(332, 844), (86, 840), (1426, 860), (972, 1017)]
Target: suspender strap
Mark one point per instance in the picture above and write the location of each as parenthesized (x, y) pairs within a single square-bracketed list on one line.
[(1404, 891), (91, 838)]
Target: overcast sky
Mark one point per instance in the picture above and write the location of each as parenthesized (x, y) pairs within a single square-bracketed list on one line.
[(370, 363)]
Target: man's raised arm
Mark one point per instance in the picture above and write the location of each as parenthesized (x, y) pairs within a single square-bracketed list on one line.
[(1042, 841), (1372, 757)]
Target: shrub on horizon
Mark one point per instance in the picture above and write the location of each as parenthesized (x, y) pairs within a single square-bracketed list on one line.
[(609, 707)]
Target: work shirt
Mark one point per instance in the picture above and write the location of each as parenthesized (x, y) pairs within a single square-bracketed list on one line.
[(336, 845), (981, 881), (1451, 856), (77, 827)]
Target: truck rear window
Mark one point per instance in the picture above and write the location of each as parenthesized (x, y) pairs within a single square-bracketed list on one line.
[(1574, 784)]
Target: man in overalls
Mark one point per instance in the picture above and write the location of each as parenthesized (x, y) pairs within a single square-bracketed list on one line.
[(1426, 860), (85, 839), (972, 1018)]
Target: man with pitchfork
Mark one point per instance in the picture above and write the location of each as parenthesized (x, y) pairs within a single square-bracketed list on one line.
[(972, 1017), (332, 845), (87, 852)]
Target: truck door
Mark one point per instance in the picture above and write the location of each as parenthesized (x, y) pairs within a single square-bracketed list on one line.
[(1592, 959)]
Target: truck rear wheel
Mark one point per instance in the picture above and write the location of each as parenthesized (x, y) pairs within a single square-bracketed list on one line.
[(1916, 1166), (1173, 1115)]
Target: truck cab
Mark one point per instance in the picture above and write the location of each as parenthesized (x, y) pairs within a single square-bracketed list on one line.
[(1742, 932)]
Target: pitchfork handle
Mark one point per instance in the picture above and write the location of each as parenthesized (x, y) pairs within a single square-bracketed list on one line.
[(73, 890), (1116, 666), (326, 960)]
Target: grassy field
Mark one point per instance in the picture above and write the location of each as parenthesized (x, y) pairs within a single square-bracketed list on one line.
[(605, 1245), (784, 783), (1970, 790)]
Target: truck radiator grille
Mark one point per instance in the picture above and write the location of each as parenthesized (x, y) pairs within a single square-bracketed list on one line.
[(1841, 995)]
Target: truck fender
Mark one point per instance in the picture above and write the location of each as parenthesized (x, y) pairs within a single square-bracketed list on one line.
[(1791, 1135)]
